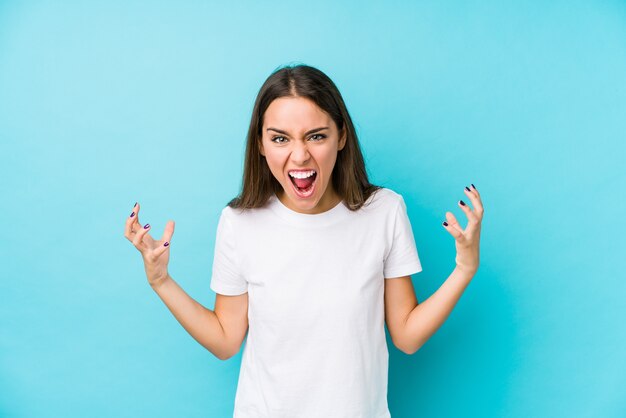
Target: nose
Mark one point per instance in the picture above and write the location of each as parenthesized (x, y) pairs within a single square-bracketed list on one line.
[(300, 152)]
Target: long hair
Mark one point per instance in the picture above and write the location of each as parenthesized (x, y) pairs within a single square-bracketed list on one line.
[(349, 177)]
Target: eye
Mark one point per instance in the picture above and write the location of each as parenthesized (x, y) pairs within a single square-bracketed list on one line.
[(277, 142), (320, 135)]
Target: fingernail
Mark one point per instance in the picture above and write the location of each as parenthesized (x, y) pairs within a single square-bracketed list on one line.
[(462, 202), (467, 188), (135, 205), (132, 214), (474, 187), (445, 223), (146, 226), (166, 244)]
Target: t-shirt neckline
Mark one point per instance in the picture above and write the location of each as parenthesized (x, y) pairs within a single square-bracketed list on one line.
[(328, 217)]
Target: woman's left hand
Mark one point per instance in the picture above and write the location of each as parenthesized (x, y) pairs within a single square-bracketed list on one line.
[(468, 240)]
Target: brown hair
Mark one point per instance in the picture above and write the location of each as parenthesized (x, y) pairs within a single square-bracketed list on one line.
[(349, 178)]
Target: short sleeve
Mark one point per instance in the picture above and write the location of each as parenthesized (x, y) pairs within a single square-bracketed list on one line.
[(402, 259), (226, 278)]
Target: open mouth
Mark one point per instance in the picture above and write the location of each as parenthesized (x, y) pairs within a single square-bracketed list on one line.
[(304, 187)]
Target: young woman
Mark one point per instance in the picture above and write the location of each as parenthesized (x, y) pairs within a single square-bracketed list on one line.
[(310, 261)]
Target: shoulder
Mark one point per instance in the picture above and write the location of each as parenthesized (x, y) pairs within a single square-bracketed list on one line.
[(389, 194), (382, 204), (244, 217), (385, 198), (230, 214)]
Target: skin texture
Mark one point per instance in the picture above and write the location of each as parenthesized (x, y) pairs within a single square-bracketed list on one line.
[(294, 150)]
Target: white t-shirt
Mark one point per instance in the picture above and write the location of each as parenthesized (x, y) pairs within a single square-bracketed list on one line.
[(316, 342)]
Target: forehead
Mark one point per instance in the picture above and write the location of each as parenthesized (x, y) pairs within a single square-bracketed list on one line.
[(295, 113)]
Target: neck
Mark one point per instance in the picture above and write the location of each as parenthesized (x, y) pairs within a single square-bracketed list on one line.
[(329, 200)]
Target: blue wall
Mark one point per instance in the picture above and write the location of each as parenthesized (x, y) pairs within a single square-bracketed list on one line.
[(104, 104)]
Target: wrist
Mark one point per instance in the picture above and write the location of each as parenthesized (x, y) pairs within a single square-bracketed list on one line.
[(469, 271), (156, 284)]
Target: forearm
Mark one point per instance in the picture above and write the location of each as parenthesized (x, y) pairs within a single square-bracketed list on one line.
[(426, 318), (200, 322)]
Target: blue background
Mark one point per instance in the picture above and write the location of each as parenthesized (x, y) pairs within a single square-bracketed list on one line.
[(108, 103)]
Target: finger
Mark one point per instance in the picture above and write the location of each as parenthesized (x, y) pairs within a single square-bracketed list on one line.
[(138, 238), (167, 238), (452, 226), (453, 222), (474, 197), (131, 222), (135, 225), (471, 216)]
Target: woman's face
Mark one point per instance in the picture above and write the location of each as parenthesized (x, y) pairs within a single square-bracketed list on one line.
[(299, 136)]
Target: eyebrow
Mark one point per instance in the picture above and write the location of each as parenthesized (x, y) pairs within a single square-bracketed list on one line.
[(306, 133)]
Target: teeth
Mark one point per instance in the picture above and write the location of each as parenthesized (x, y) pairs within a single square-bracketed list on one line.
[(302, 174)]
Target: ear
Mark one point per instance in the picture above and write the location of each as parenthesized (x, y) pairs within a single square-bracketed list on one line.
[(342, 139), (261, 149)]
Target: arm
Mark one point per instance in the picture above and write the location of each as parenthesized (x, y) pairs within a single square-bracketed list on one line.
[(424, 319), (221, 331), (203, 324)]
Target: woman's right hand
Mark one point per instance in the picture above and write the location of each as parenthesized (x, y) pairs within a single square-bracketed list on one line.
[(155, 254)]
